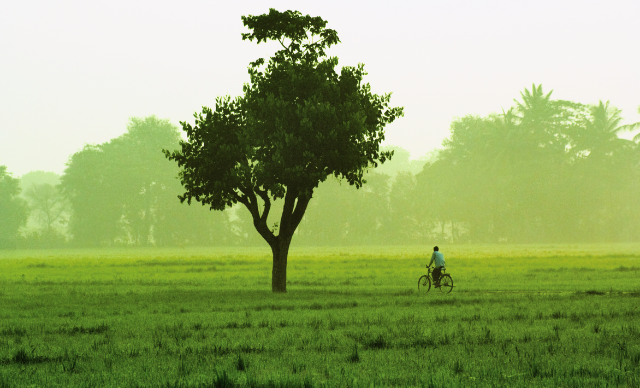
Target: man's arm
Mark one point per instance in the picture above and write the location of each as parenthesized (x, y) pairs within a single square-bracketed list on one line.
[(433, 258)]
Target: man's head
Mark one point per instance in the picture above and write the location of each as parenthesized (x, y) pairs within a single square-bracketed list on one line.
[(436, 249)]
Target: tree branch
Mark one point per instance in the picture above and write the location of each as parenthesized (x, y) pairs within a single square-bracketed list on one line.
[(267, 204), (287, 210), (287, 48), (241, 199), (295, 206), (298, 213), (259, 220)]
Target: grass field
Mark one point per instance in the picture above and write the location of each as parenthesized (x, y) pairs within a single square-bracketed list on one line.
[(519, 316)]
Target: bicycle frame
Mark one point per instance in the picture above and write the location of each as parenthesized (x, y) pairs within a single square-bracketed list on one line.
[(446, 287)]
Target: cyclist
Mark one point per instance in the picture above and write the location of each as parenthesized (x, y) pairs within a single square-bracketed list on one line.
[(438, 257)]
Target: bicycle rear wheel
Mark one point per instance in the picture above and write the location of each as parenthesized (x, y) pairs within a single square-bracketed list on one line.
[(446, 283), (424, 283)]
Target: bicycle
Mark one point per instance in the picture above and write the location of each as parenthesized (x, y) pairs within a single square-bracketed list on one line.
[(446, 282)]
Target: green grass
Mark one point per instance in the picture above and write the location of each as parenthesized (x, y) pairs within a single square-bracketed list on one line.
[(518, 316)]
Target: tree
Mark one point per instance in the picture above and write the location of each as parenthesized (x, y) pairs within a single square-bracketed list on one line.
[(599, 136), (607, 166), (298, 122), (13, 209), (39, 177), (545, 170), (88, 185), (48, 210), (123, 191), (404, 223), (48, 207)]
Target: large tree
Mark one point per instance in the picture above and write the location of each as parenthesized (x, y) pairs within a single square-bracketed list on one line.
[(298, 122)]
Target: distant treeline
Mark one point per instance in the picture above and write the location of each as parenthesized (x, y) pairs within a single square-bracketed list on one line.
[(543, 171)]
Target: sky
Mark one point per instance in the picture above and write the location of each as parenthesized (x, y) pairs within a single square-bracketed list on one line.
[(74, 72)]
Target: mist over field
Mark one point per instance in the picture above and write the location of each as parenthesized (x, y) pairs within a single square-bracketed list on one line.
[(544, 170)]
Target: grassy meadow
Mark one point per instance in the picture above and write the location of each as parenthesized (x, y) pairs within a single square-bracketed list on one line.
[(519, 315)]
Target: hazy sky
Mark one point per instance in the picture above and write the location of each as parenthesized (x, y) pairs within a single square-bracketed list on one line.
[(73, 72)]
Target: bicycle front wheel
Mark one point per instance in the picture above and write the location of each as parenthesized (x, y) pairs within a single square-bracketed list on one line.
[(424, 283), (446, 283)]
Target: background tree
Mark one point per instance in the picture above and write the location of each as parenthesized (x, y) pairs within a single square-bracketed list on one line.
[(39, 177), (339, 215), (13, 209), (298, 123), (599, 136), (404, 223), (89, 184), (606, 168), (544, 171), (123, 192), (49, 208)]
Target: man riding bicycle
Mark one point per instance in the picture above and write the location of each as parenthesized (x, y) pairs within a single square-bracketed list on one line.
[(438, 257)]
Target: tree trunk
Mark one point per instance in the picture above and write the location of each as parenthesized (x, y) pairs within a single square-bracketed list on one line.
[(280, 250), (295, 204)]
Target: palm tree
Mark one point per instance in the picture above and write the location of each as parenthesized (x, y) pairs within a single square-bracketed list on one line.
[(535, 105), (536, 113), (506, 143), (601, 130)]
